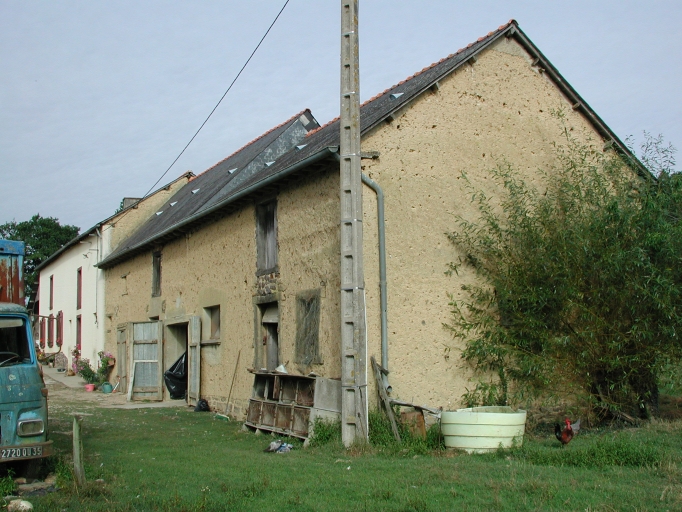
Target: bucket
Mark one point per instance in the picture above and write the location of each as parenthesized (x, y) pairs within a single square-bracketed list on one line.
[(89, 387), (107, 387), (483, 429)]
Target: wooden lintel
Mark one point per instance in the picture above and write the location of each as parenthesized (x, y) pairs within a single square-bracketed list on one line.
[(369, 155)]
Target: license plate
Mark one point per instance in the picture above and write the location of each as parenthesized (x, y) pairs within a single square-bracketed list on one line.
[(15, 453)]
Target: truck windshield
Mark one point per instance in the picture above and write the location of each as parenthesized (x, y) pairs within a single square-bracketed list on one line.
[(14, 347)]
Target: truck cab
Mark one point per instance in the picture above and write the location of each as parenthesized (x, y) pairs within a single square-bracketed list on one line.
[(23, 394)]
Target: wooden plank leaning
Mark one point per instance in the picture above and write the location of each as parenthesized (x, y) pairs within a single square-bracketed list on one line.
[(383, 396)]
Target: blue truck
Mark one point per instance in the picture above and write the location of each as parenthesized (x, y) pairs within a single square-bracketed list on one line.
[(23, 394)]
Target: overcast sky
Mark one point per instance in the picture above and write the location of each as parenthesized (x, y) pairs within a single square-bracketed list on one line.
[(98, 98)]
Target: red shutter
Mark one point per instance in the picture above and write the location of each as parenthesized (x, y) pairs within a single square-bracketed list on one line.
[(50, 331), (60, 328), (43, 328)]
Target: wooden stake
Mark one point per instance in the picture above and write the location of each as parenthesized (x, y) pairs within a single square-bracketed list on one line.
[(78, 469), (234, 376)]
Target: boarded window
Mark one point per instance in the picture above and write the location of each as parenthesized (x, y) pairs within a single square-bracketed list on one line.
[(156, 274), (79, 287), (308, 327), (266, 234)]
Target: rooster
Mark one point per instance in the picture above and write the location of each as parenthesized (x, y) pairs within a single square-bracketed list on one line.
[(568, 432)]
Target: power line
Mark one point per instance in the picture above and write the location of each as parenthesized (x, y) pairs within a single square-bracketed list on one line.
[(221, 98), (219, 101)]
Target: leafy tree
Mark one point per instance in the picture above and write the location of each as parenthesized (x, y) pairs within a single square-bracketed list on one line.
[(43, 236), (579, 287)]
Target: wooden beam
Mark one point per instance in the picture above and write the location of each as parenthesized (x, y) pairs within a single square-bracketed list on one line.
[(383, 396)]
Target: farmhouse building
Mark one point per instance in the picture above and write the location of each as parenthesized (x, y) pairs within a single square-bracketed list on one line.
[(242, 267)]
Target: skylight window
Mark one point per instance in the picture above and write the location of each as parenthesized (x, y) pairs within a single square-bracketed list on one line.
[(195, 190), (232, 170), (174, 203), (159, 213), (269, 163), (301, 146), (396, 95)]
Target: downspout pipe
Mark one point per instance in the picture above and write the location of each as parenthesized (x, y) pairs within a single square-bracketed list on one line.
[(382, 274), (382, 270)]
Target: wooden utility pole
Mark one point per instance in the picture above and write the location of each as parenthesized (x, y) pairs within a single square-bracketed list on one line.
[(353, 330)]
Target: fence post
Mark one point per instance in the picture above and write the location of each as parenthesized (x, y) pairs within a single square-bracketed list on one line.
[(78, 469)]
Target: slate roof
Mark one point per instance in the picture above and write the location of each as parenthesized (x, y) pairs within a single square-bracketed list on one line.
[(212, 187), (323, 142)]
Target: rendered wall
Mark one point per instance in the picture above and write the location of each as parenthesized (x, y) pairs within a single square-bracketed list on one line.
[(309, 256), (498, 109), (216, 265)]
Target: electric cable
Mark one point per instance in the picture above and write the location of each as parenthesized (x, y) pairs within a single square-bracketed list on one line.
[(217, 104)]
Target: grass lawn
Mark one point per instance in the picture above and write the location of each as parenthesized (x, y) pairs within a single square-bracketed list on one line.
[(176, 459)]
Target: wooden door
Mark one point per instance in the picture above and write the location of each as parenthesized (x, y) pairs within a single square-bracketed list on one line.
[(194, 360), (122, 358), (146, 361)]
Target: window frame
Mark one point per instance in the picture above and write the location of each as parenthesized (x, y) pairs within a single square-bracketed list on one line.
[(212, 318), (79, 288), (267, 257), (79, 331), (156, 273)]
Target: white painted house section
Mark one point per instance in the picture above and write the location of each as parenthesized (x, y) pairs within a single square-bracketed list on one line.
[(62, 276)]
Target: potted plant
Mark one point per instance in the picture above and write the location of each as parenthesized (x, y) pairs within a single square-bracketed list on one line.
[(106, 364), (86, 372), (93, 377)]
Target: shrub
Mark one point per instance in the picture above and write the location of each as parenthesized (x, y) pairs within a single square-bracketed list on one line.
[(580, 287)]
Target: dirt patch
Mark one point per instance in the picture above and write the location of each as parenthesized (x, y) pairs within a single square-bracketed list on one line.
[(61, 396)]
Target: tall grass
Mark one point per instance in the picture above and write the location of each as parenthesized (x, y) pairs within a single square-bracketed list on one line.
[(604, 451)]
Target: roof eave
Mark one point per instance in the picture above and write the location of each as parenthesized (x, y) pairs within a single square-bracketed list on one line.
[(578, 102)]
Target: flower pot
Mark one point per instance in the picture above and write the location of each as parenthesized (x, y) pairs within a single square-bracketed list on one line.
[(107, 387), (89, 387), (483, 429)]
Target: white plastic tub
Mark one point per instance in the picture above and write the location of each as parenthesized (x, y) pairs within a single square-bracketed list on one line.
[(483, 429)]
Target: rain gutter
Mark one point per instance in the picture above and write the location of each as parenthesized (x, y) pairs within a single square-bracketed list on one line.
[(382, 274)]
